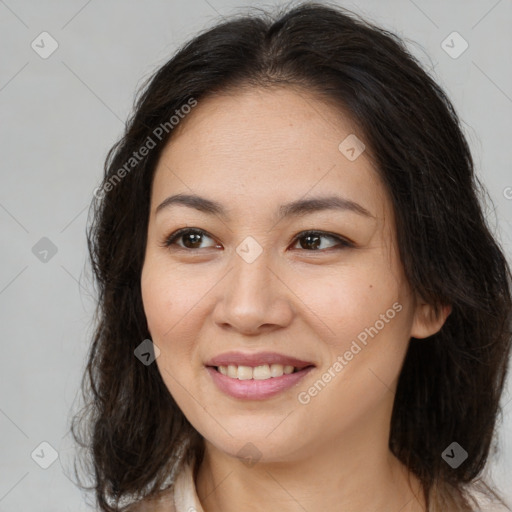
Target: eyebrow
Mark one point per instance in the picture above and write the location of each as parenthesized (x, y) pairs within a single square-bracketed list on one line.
[(293, 209)]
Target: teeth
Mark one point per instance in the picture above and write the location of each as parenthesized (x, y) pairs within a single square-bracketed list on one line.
[(262, 372), (244, 373)]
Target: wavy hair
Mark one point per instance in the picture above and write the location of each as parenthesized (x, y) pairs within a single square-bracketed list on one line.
[(450, 385)]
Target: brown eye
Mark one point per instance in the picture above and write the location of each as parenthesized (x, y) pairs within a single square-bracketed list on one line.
[(191, 238), (312, 241)]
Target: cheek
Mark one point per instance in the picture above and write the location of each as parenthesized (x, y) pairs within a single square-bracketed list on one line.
[(169, 297), (166, 311), (348, 301), (365, 324), (173, 308), (174, 304), (368, 324)]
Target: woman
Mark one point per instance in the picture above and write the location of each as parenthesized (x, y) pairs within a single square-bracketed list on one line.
[(301, 306)]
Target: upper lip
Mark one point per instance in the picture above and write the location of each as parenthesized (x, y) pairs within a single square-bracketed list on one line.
[(256, 359)]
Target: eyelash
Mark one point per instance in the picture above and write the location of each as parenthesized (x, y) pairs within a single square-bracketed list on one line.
[(342, 242)]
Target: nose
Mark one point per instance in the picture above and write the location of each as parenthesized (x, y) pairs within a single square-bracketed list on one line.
[(254, 298)]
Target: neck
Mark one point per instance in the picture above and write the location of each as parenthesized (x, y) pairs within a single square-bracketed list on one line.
[(361, 474)]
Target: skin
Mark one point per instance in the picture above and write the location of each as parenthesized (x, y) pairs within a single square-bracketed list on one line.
[(253, 150)]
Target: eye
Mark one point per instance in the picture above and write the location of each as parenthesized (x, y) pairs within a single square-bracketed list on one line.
[(192, 238), (313, 240)]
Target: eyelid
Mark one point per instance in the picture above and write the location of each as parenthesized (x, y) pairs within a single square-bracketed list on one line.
[(343, 242)]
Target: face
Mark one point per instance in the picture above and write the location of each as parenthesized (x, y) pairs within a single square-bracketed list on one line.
[(252, 288)]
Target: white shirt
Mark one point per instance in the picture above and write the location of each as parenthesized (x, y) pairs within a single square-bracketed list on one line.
[(185, 495), (182, 497)]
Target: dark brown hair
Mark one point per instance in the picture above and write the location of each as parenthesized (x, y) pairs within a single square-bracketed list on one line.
[(450, 384)]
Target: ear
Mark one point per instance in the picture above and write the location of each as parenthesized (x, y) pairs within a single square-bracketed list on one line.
[(426, 322)]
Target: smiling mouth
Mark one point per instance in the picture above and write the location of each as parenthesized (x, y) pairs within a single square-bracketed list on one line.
[(262, 372)]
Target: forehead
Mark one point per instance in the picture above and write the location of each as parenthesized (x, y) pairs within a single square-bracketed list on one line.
[(270, 145)]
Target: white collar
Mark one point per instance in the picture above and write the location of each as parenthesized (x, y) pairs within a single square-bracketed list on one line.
[(185, 495)]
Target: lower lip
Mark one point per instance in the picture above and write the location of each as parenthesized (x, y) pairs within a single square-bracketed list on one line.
[(253, 389)]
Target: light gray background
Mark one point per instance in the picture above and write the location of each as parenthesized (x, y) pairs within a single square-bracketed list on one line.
[(60, 115)]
